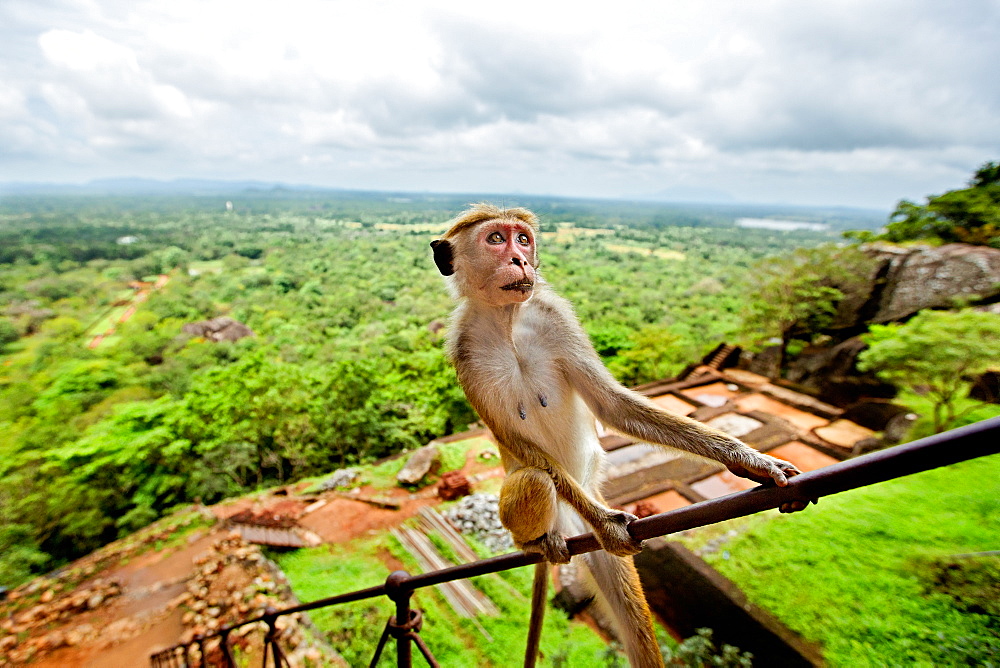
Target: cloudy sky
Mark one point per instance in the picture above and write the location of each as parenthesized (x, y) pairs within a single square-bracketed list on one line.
[(836, 102)]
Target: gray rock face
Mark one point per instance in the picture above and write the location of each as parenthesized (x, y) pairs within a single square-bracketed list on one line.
[(906, 280), (341, 478), (901, 282), (935, 277)]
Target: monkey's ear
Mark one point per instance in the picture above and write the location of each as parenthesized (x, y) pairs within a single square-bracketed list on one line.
[(443, 257)]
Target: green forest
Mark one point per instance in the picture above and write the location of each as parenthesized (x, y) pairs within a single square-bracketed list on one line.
[(105, 425)]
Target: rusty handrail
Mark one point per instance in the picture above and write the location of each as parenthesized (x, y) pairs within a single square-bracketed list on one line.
[(950, 447)]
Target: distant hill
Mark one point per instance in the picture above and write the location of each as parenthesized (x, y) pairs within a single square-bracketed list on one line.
[(138, 186), (687, 207)]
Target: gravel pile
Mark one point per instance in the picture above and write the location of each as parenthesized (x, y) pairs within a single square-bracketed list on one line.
[(478, 515)]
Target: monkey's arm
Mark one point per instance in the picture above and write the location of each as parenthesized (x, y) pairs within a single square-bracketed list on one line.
[(634, 415)]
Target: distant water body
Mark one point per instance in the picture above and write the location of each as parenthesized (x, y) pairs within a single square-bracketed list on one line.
[(782, 225)]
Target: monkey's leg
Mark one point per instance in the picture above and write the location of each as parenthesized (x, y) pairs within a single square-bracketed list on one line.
[(620, 593), (610, 526), (528, 510)]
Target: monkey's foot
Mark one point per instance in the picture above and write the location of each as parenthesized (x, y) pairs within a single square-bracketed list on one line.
[(549, 545), (613, 534)]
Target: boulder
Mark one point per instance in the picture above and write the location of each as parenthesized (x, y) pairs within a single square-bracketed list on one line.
[(937, 277), (987, 387), (418, 465), (766, 363), (902, 281), (341, 478), (831, 373)]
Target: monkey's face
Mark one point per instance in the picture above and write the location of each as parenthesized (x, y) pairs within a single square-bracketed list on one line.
[(498, 263)]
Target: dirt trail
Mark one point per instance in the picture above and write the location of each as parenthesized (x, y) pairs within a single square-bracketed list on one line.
[(141, 620), (146, 616)]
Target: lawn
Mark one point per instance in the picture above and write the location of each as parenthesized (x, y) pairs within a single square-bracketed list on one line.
[(885, 575), (110, 319)]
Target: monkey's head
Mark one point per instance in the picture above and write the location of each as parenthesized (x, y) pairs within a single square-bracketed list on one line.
[(490, 254)]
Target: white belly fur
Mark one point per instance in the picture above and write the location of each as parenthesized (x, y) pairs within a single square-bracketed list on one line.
[(516, 379)]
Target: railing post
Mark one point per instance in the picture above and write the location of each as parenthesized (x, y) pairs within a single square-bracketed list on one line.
[(271, 639), (401, 597), (538, 593)]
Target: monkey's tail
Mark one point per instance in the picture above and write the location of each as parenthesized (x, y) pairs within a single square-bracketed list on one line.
[(620, 594), (538, 593)]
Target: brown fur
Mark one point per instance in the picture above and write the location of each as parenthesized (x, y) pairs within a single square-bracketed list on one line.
[(530, 371), (483, 211)]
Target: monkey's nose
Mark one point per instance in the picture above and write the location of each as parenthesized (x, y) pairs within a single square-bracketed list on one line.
[(516, 261)]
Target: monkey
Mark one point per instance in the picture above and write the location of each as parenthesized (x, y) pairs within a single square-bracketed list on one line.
[(529, 370)]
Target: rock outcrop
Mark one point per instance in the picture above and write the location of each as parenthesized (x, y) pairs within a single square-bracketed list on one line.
[(218, 329), (905, 280), (901, 282)]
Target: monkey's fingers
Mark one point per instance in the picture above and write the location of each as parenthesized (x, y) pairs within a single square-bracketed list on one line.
[(778, 476), (795, 506), (781, 471), (774, 471)]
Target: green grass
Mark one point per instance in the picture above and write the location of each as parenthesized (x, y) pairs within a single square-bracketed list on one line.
[(125, 294), (109, 320), (382, 476), (856, 573), (967, 411), (206, 266), (354, 629), (454, 454)]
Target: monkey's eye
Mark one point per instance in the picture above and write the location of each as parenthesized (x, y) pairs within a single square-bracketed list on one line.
[(523, 239), (495, 238)]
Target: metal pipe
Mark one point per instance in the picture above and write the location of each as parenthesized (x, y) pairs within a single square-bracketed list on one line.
[(977, 440)]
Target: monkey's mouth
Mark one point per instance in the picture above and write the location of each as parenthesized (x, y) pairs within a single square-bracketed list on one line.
[(523, 285)]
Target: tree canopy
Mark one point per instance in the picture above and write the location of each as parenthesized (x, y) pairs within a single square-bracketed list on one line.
[(346, 363), (936, 352), (969, 215), (796, 295)]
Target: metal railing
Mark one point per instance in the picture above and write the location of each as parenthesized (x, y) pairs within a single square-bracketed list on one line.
[(964, 443)]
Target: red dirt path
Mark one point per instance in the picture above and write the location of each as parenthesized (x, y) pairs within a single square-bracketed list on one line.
[(141, 613), (142, 620)]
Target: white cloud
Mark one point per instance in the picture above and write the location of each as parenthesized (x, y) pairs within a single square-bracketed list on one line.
[(766, 100), (86, 52)]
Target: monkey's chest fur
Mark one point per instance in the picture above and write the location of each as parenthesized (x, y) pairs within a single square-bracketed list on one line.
[(510, 373)]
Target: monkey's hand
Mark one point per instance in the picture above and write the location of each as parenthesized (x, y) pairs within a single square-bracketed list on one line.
[(550, 545), (768, 470), (612, 533)]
